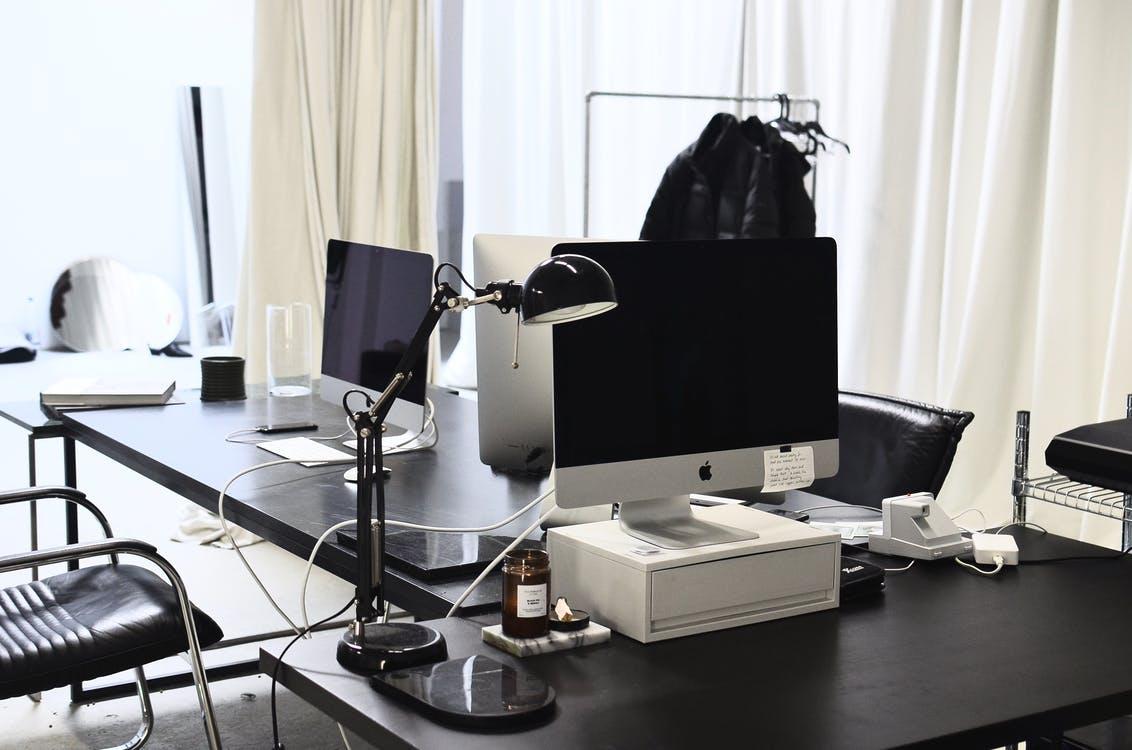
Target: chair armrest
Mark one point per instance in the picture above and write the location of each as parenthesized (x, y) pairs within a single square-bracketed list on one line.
[(79, 551), (35, 493), (69, 494)]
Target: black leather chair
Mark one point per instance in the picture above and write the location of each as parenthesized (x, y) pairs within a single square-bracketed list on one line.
[(890, 447), (99, 620)]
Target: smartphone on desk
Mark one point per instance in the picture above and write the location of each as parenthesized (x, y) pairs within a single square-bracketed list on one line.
[(275, 429)]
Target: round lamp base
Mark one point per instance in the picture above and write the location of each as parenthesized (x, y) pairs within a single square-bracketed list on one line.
[(379, 647)]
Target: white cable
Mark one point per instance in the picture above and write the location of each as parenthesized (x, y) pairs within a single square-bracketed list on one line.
[(228, 533), (972, 510), (229, 437), (340, 435), (406, 445), (401, 524), (342, 731), (430, 412), (473, 529), (999, 562), (886, 570), (491, 566), (1040, 528), (421, 441), (234, 433), (310, 566), (429, 421)]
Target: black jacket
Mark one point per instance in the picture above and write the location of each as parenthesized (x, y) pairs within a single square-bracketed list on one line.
[(736, 180)]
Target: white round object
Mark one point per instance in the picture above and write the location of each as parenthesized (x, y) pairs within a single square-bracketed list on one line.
[(161, 312)]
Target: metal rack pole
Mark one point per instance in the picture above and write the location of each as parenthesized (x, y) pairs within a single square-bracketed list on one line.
[(679, 97), (1021, 464), (1126, 523)]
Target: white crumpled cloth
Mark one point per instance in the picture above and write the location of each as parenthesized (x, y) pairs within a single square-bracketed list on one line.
[(199, 526)]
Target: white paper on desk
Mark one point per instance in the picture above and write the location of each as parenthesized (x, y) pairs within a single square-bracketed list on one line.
[(850, 529), (789, 469), (309, 452)]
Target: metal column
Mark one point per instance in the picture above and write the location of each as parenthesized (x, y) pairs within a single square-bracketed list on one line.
[(1021, 464), (33, 506), (1126, 524)]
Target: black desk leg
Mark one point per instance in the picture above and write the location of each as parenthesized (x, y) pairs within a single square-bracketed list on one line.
[(71, 509), (33, 509), (72, 519)]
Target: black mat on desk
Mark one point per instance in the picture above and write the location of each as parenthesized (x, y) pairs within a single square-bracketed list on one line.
[(432, 556)]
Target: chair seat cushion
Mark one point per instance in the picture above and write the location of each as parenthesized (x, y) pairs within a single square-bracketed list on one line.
[(89, 623)]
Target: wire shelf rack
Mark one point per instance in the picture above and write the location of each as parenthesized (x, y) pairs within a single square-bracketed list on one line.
[(1060, 490), (1057, 489)]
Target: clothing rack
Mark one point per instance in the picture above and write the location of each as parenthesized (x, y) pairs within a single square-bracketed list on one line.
[(778, 99)]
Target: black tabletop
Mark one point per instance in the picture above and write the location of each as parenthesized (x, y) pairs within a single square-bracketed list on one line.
[(942, 658), (182, 447), (28, 415)]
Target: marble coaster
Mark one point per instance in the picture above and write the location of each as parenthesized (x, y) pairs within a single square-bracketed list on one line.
[(553, 641)]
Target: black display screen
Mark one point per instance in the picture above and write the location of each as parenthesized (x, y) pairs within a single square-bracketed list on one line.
[(715, 345), (376, 298)]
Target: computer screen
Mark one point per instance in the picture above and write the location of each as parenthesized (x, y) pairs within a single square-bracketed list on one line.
[(375, 300), (714, 346)]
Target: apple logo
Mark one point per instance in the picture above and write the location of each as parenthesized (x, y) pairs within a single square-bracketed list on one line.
[(705, 471)]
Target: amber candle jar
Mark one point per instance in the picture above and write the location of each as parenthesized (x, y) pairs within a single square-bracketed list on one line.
[(526, 593)]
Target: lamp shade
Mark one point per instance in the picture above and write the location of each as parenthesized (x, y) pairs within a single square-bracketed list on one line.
[(566, 287)]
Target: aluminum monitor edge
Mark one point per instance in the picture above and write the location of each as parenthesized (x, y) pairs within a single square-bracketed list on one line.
[(651, 478), (516, 423)]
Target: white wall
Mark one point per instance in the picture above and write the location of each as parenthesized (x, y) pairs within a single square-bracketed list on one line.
[(90, 161)]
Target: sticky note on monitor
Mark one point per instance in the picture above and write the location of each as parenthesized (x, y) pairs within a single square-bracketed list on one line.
[(788, 468)]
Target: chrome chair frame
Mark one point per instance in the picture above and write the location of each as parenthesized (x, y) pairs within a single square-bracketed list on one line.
[(113, 547)]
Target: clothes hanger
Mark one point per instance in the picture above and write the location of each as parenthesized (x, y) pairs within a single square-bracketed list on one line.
[(815, 130), (783, 121)]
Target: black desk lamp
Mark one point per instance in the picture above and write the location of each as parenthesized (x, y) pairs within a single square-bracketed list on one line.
[(560, 289)]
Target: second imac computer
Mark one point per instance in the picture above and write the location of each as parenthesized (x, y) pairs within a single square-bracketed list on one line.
[(515, 422), (375, 297), (716, 371)]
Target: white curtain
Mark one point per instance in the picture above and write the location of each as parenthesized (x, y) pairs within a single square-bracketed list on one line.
[(527, 69), (343, 147), (984, 217)]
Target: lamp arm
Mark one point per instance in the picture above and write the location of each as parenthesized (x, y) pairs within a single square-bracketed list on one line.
[(505, 295), (404, 372), (368, 425)]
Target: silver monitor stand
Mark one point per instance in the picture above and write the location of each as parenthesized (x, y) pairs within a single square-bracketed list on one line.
[(668, 522)]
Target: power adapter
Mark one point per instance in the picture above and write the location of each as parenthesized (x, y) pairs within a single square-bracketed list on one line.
[(990, 548)]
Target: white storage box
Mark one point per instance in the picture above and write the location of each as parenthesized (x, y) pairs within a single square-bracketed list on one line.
[(651, 594)]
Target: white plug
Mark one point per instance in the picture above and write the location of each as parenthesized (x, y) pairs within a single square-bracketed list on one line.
[(991, 548)]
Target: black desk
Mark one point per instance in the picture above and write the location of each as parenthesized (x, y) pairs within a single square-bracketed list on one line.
[(182, 447), (943, 658)]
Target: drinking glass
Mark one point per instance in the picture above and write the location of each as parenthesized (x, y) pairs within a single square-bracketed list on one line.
[(289, 335)]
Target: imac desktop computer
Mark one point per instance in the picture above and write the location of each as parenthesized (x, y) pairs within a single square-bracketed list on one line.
[(515, 422), (717, 370), (375, 297)]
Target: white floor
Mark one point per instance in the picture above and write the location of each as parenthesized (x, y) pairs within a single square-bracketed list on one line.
[(216, 581)]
